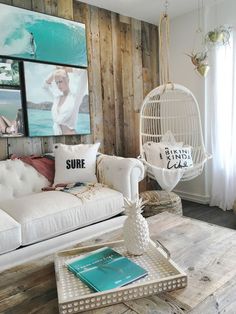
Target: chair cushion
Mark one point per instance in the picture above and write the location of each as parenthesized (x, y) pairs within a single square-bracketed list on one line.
[(10, 233), (48, 214)]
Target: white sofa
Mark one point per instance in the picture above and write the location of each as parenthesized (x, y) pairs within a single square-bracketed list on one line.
[(35, 223)]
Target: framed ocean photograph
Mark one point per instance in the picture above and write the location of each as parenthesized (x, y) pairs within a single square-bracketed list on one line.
[(11, 113), (35, 36), (57, 99), (9, 72)]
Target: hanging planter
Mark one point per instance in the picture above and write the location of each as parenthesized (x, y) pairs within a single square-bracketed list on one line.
[(199, 59), (203, 69), (219, 36)]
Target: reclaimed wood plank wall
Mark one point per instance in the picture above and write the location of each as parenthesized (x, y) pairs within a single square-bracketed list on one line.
[(122, 67)]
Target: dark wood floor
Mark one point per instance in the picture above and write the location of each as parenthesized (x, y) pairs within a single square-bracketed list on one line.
[(209, 214)]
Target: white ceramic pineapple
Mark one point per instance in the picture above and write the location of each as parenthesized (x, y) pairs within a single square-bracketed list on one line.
[(135, 229)]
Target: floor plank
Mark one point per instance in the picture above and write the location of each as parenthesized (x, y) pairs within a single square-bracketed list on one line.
[(209, 214)]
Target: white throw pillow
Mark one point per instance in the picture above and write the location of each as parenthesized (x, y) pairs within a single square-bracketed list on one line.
[(75, 163), (153, 153), (175, 157)]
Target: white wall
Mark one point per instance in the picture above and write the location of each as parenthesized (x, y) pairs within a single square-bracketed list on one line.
[(183, 38)]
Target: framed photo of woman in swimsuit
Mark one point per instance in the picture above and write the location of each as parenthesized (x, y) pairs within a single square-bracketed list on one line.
[(11, 111), (56, 99)]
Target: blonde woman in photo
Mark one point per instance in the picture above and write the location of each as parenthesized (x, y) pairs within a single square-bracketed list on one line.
[(66, 103)]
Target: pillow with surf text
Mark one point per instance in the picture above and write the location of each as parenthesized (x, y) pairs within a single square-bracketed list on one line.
[(75, 163)]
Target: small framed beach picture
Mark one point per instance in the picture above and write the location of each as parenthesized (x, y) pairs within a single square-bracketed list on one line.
[(9, 72), (11, 113), (57, 99), (35, 36)]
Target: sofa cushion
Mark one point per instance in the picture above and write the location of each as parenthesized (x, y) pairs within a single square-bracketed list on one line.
[(10, 233), (48, 214)]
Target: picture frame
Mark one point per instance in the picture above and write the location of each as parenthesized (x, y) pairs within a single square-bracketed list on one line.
[(9, 72), (30, 35), (57, 99), (12, 118)]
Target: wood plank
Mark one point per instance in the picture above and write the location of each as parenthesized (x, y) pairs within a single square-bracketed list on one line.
[(154, 53), (38, 5), (146, 59), (107, 79), (137, 77), (125, 19), (6, 2), (3, 149), (65, 9), (73, 139), (47, 144), (25, 4), (147, 81), (94, 69), (118, 91), (128, 93), (146, 44), (25, 146), (51, 7), (217, 301), (81, 14), (137, 63)]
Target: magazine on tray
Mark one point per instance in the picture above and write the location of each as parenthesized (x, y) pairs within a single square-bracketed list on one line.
[(105, 269)]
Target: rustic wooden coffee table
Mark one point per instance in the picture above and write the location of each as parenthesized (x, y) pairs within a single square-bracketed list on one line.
[(206, 252)]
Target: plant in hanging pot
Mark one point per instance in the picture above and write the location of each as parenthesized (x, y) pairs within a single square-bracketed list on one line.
[(199, 59), (219, 35)]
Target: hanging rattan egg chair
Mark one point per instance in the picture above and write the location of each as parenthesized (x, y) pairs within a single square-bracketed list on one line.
[(171, 108)]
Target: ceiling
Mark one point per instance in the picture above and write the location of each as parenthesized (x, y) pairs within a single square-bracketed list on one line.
[(148, 10)]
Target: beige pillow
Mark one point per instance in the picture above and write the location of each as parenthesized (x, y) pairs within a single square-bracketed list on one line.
[(75, 163)]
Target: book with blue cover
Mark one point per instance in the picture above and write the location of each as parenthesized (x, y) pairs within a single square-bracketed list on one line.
[(105, 269)]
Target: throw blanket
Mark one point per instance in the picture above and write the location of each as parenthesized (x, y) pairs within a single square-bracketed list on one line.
[(45, 165), (81, 190)]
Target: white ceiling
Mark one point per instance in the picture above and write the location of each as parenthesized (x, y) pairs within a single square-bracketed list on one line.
[(148, 10)]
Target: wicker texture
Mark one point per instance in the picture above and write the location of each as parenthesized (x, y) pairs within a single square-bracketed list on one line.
[(173, 107), (161, 201)]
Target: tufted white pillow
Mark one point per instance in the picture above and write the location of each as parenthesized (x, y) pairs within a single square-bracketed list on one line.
[(75, 163)]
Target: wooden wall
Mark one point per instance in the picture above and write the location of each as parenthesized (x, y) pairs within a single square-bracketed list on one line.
[(123, 68)]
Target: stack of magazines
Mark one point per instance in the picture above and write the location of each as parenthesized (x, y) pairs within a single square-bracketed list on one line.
[(105, 269)]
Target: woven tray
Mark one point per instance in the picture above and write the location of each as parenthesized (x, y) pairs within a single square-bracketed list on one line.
[(74, 296)]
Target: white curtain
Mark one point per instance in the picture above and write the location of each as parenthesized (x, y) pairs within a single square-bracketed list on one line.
[(221, 119)]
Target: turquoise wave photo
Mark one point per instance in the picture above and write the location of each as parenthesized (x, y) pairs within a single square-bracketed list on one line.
[(36, 36)]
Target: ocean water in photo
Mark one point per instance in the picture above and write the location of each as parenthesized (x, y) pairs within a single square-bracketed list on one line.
[(43, 38), (40, 123), (10, 103)]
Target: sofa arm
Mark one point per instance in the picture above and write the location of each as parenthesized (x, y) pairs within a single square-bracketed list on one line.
[(121, 174)]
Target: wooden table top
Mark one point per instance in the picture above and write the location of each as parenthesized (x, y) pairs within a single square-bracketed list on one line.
[(206, 252)]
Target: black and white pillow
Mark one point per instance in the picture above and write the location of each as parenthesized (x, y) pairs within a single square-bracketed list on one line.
[(176, 157), (75, 163)]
